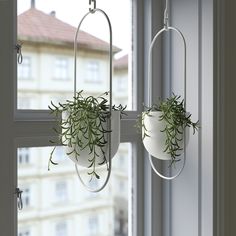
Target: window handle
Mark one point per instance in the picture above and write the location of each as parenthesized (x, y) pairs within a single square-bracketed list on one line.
[(18, 47), (19, 198)]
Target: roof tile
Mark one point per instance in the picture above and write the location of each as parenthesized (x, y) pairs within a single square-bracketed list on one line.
[(35, 25)]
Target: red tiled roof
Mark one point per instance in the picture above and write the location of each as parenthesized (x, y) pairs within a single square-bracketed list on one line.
[(37, 26), (121, 63)]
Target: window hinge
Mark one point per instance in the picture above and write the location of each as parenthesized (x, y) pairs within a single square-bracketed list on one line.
[(18, 47), (19, 198)]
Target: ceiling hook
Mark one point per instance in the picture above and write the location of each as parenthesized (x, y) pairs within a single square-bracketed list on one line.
[(92, 10)]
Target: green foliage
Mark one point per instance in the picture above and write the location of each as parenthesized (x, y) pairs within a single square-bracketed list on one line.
[(83, 127), (176, 121)]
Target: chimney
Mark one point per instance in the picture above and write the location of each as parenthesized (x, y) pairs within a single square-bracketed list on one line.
[(53, 13), (32, 3)]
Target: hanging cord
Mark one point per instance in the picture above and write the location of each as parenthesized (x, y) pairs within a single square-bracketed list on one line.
[(166, 15), (91, 11), (167, 28), (18, 47)]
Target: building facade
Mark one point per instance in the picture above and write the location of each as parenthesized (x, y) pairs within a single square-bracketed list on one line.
[(54, 201)]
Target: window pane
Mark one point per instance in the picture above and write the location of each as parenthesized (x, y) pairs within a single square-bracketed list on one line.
[(55, 202), (46, 31)]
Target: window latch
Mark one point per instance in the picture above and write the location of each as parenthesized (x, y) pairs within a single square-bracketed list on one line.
[(18, 47), (19, 198)]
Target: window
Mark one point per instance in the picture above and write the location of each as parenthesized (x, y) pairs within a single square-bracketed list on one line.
[(61, 191), (26, 197), (93, 226), (122, 84), (121, 186), (61, 229), (121, 227), (24, 69), (61, 70), (24, 233), (32, 128), (93, 72), (23, 155)]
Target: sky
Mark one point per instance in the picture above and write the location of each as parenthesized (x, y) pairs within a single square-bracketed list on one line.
[(71, 11)]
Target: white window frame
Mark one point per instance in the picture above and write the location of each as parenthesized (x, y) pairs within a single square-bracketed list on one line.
[(32, 128), (23, 127)]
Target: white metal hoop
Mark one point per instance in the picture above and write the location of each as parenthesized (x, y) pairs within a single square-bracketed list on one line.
[(92, 11), (163, 30)]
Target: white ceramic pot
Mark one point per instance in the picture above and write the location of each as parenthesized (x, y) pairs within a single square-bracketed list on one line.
[(155, 143), (82, 160)]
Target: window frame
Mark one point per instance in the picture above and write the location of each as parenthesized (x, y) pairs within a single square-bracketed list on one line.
[(23, 127), (32, 128)]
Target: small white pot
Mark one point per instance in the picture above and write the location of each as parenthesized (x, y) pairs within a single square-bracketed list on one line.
[(82, 160), (155, 143)]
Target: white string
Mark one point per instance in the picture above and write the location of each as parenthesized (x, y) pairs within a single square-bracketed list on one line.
[(166, 29), (166, 15), (92, 11)]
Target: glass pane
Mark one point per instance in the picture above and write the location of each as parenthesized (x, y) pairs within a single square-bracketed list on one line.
[(56, 204), (46, 30)]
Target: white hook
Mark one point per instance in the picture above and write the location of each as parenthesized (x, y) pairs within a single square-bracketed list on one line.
[(94, 6)]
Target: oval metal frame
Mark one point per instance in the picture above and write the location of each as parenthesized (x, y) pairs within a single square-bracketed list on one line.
[(110, 92), (166, 29)]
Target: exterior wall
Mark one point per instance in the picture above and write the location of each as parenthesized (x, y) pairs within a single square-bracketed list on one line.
[(41, 86), (76, 207), (121, 85), (75, 210)]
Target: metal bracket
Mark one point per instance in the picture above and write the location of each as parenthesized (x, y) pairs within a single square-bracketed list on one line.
[(19, 198), (94, 6), (18, 47)]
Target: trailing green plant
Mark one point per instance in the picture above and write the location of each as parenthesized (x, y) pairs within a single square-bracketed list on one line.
[(176, 120), (83, 126)]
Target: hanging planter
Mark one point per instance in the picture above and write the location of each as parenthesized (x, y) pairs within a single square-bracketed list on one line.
[(163, 129), (86, 137), (89, 127), (164, 124), (89, 132), (86, 125)]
